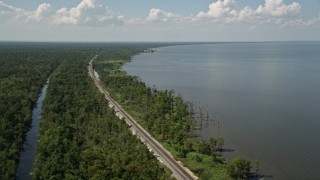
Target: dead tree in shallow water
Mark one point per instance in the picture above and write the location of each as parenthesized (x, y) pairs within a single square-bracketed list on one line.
[(200, 116), (207, 118)]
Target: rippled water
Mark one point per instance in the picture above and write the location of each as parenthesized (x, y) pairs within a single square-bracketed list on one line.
[(266, 97), (27, 157)]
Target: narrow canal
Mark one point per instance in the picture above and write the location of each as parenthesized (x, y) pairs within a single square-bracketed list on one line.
[(27, 157)]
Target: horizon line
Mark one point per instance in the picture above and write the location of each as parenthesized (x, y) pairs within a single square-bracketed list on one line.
[(120, 42)]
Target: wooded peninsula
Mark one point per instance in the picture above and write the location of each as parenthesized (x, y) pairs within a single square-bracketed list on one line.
[(80, 137)]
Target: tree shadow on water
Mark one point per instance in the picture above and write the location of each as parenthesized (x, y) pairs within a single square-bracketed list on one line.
[(255, 176), (227, 150)]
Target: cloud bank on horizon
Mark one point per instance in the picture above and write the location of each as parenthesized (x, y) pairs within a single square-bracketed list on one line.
[(220, 14)]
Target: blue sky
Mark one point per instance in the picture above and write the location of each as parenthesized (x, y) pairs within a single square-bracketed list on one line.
[(159, 20)]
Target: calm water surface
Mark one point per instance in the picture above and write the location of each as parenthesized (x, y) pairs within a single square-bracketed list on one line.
[(27, 157), (266, 97)]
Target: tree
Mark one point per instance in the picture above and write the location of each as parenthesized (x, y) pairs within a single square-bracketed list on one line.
[(220, 143), (23, 72), (256, 168), (239, 168), (82, 138), (212, 143)]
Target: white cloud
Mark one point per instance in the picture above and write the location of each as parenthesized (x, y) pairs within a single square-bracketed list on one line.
[(277, 8), (6, 11), (96, 13), (221, 12), (245, 13), (5, 8), (300, 22), (74, 15), (20, 15), (219, 9), (160, 15), (272, 11), (87, 12), (39, 13), (156, 16)]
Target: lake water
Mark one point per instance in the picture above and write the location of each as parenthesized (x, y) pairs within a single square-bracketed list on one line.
[(265, 96), (27, 157)]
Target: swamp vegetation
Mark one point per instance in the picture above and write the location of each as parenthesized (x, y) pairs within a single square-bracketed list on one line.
[(80, 136)]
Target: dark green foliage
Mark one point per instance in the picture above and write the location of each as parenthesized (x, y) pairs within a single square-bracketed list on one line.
[(22, 75), (165, 115), (219, 142), (239, 168), (80, 136)]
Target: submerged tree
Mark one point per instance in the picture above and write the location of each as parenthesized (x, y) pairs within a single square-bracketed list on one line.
[(257, 168), (220, 143), (239, 168)]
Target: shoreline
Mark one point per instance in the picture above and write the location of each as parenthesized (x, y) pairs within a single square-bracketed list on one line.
[(220, 169), (178, 170)]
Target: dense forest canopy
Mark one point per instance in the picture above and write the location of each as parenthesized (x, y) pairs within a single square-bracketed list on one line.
[(22, 75), (24, 68), (80, 136)]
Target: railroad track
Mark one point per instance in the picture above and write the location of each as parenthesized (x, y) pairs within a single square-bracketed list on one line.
[(178, 170)]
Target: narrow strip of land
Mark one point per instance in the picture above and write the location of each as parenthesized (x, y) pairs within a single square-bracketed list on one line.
[(179, 171)]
